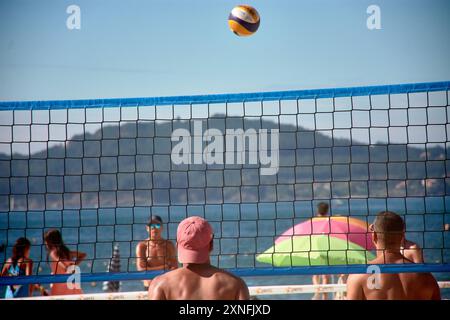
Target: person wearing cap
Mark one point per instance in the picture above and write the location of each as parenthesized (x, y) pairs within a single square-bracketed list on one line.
[(155, 252), (197, 279)]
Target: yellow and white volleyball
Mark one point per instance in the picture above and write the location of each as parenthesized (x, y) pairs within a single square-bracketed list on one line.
[(244, 20)]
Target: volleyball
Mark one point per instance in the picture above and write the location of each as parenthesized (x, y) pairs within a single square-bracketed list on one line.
[(243, 20)]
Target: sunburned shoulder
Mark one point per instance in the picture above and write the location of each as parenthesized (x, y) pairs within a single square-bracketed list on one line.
[(214, 272), (176, 273), (357, 278), (225, 275), (419, 277), (158, 281), (143, 243), (168, 278)]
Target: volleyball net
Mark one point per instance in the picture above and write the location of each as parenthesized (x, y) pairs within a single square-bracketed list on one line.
[(255, 165)]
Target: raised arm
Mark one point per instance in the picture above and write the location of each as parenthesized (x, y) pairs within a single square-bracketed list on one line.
[(60, 264), (77, 256)]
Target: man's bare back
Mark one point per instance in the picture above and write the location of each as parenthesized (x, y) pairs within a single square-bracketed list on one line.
[(198, 282), (388, 235), (398, 286)]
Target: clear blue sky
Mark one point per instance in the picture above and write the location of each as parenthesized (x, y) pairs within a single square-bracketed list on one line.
[(132, 48)]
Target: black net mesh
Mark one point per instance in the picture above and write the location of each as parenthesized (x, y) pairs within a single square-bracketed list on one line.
[(97, 174)]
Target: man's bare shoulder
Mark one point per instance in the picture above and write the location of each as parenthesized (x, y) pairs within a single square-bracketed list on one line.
[(158, 287), (142, 244), (357, 278), (411, 245), (422, 277), (158, 279), (169, 275), (163, 279), (212, 271), (141, 249), (229, 276), (420, 285)]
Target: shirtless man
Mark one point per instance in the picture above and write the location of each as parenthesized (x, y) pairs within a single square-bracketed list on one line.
[(155, 253), (388, 235), (197, 279)]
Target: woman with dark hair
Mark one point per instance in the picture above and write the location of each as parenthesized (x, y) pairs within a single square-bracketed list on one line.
[(19, 265), (61, 261)]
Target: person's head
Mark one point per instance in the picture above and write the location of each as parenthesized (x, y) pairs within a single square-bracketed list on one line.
[(194, 240), (388, 230), (54, 242), (20, 250), (322, 209), (154, 227)]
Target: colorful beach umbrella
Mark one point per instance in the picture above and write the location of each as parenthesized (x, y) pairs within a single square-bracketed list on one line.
[(315, 250), (345, 228), (322, 241)]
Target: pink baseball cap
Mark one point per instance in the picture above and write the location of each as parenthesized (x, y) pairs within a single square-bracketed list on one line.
[(194, 235)]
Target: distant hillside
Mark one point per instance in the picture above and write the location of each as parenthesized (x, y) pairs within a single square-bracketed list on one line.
[(130, 165)]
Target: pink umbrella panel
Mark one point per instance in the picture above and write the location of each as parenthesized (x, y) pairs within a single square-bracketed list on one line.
[(346, 228)]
